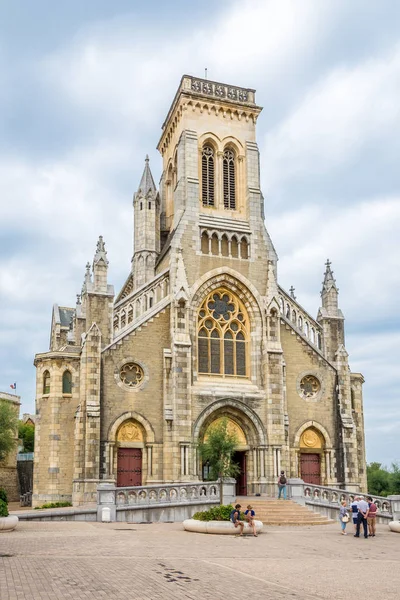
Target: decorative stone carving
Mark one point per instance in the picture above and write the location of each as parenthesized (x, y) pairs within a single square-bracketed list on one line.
[(131, 374), (309, 386), (219, 90)]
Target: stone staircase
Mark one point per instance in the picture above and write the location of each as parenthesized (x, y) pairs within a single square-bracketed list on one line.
[(272, 511)]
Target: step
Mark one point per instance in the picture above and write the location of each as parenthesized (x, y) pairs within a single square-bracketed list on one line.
[(272, 511)]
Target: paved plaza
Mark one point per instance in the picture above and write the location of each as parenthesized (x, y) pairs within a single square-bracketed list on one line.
[(122, 561)]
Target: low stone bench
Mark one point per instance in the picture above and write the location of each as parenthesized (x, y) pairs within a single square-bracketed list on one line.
[(219, 527), (394, 526)]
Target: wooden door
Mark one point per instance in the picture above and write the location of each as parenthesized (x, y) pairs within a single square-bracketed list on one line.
[(311, 468), (129, 470), (241, 479)]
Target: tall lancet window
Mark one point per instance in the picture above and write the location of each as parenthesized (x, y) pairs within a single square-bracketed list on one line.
[(223, 335), (207, 176), (229, 179)]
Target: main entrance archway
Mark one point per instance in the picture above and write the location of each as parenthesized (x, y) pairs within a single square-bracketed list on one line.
[(250, 451), (239, 456)]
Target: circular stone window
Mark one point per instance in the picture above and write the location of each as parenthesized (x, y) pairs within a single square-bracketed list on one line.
[(309, 386), (131, 374)]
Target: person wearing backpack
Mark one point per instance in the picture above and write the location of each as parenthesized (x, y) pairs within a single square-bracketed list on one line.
[(282, 485)]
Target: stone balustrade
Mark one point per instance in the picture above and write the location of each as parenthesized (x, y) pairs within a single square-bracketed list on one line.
[(334, 496), (144, 300), (305, 325), (143, 498)]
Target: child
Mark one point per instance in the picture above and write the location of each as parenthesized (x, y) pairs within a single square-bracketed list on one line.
[(250, 514), (344, 517)]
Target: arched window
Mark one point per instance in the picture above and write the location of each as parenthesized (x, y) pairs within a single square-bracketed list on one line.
[(234, 247), (224, 245), (214, 244), (46, 382), (67, 382), (223, 334), (244, 248), (204, 243), (207, 176), (229, 179)]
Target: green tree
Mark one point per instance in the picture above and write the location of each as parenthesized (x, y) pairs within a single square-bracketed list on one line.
[(395, 478), (8, 428), (218, 449), (26, 433), (378, 478)]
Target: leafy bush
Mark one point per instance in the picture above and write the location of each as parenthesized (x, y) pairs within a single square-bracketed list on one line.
[(53, 505), (3, 509), (3, 495), (217, 513)]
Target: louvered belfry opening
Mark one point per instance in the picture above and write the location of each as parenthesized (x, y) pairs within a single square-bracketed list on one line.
[(229, 180), (207, 175)]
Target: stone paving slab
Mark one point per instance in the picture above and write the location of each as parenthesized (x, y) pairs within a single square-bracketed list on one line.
[(70, 560)]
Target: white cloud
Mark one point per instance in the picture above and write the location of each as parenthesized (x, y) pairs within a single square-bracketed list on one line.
[(343, 111), (114, 82), (361, 239)]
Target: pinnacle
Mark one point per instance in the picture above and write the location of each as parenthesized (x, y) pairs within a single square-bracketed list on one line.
[(147, 182), (101, 253), (329, 280)]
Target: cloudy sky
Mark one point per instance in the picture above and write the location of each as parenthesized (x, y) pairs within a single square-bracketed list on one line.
[(84, 88)]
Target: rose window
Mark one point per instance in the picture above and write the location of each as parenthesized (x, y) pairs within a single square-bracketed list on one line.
[(309, 386), (131, 375)]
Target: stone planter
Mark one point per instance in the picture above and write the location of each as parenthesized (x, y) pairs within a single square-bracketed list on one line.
[(8, 523), (394, 526), (219, 527)]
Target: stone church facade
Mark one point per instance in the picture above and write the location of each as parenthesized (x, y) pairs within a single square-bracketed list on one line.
[(199, 331)]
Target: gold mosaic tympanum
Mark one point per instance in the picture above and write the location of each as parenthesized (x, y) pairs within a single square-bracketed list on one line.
[(129, 432)]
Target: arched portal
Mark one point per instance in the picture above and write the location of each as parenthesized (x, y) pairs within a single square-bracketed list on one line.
[(239, 456), (129, 431), (250, 454), (312, 445), (130, 444)]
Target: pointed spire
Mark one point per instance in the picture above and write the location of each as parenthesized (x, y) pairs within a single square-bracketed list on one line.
[(87, 280), (292, 293), (329, 281), (101, 253), (147, 182), (88, 277)]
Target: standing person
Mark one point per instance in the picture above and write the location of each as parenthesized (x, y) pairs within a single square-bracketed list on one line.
[(354, 511), (282, 485), (344, 517), (362, 518), (250, 514), (235, 518), (371, 516)]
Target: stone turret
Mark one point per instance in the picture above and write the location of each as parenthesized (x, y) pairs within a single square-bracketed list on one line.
[(330, 316), (146, 243), (100, 267), (97, 295)]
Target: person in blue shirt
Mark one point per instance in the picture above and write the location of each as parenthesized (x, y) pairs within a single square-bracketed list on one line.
[(235, 518), (250, 514)]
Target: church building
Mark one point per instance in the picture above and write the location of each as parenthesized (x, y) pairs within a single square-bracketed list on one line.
[(200, 331)]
